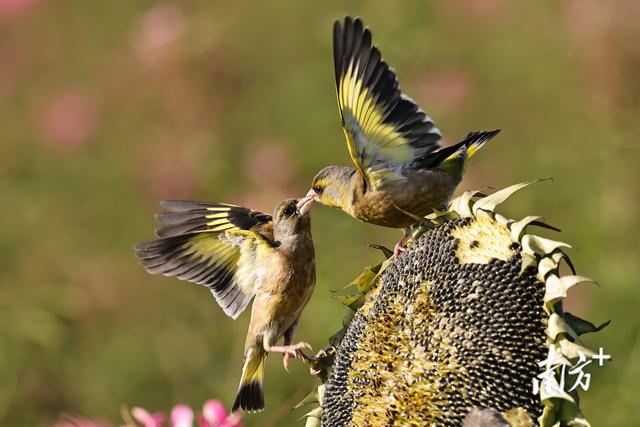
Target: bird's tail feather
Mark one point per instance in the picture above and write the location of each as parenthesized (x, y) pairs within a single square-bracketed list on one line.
[(250, 396), (454, 163), (476, 140)]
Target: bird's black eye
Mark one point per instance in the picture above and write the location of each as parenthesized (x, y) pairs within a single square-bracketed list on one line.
[(289, 210), (317, 189)]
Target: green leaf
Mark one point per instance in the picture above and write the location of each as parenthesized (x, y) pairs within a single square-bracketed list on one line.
[(346, 299), (558, 325), (518, 228), (551, 263), (309, 399), (571, 416), (528, 260), (504, 221), (581, 326), (554, 391), (365, 281), (388, 253), (570, 281), (572, 350), (313, 417), (438, 217), (547, 265), (536, 245), (556, 288), (550, 413), (490, 202), (545, 225), (417, 218), (462, 204), (568, 261)]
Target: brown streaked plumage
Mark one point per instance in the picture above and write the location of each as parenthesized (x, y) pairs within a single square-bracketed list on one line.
[(242, 254), (401, 170)]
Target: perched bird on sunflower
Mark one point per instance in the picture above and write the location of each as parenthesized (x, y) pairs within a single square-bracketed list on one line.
[(240, 254), (401, 171)]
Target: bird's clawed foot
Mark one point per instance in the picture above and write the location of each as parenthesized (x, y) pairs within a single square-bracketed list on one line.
[(411, 234), (400, 246), (289, 351)]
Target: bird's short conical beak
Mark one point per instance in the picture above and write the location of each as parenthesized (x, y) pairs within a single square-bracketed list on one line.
[(311, 194), (304, 204)]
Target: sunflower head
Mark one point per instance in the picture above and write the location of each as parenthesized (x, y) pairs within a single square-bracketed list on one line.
[(459, 323)]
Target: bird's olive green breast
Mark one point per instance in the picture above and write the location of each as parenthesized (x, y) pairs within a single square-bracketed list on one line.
[(419, 193), (286, 286)]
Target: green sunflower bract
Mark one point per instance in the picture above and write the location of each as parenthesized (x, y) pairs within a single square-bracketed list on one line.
[(458, 322)]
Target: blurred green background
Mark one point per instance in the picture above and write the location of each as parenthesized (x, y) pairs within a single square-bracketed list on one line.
[(108, 107)]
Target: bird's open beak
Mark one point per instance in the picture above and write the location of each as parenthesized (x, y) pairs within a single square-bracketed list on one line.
[(304, 204)]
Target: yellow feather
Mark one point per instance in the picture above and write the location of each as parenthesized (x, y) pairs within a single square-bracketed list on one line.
[(217, 215), (223, 227), (218, 222)]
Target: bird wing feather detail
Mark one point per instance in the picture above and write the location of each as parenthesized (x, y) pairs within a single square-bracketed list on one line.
[(384, 128), (211, 244)]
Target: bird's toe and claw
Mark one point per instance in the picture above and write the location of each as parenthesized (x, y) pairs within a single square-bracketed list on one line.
[(400, 246), (410, 235), (291, 351)]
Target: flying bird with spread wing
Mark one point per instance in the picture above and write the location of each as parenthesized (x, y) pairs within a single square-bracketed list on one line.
[(401, 170), (240, 254)]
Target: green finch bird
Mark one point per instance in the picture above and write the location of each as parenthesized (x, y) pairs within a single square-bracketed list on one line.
[(240, 254), (401, 170)]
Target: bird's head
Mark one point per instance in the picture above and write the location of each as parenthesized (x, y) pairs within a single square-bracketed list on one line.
[(332, 187), (291, 218)]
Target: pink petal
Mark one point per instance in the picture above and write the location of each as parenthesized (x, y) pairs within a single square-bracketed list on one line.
[(269, 160), (68, 121), (158, 31), (182, 416), (449, 88), (148, 419), (202, 422), (15, 8), (214, 412), (233, 420)]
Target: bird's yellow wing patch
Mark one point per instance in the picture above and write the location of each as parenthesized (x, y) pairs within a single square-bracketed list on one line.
[(384, 128), (211, 244)]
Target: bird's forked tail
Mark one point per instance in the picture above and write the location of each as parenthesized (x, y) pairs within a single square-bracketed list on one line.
[(455, 162), (250, 397)]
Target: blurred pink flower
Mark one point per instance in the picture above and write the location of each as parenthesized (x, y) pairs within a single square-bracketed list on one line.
[(68, 120), (270, 169), (606, 40), (146, 418), (213, 414), (158, 30), (268, 162), (14, 8), (181, 416), (170, 176), (448, 89)]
